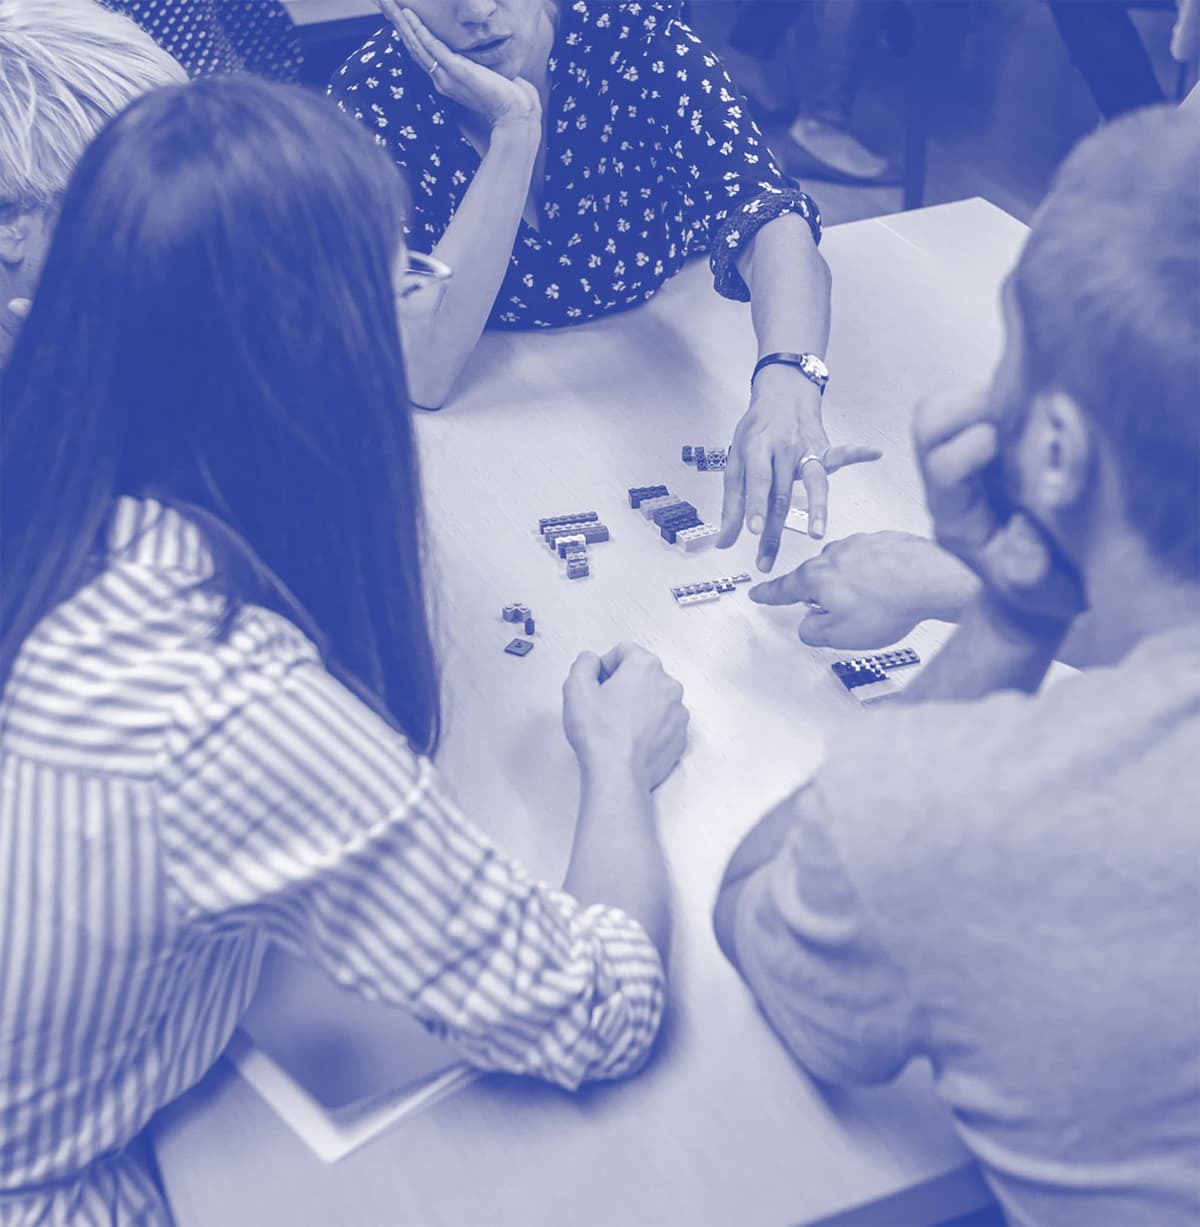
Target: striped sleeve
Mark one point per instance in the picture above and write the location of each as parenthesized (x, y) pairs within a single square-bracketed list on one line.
[(298, 810)]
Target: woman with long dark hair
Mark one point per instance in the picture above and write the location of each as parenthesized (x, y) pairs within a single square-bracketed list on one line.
[(219, 689)]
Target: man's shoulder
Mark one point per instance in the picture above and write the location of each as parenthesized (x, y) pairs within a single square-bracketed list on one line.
[(919, 785)]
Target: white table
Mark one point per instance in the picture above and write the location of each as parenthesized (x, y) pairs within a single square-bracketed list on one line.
[(721, 1129)]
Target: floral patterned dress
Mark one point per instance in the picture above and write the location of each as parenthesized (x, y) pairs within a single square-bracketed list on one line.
[(651, 158)]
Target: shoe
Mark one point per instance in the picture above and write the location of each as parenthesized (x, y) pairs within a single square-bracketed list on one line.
[(835, 154)]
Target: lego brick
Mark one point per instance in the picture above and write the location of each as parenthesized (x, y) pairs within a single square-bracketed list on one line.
[(522, 613), (651, 505), (716, 461), (529, 625), (577, 569), (687, 453), (742, 577), (670, 532), (697, 598), (509, 613), (557, 529), (518, 647), (797, 520), (697, 537), (594, 532), (565, 543), (661, 514), (575, 517), (861, 671), (638, 494), (897, 658), (555, 539)]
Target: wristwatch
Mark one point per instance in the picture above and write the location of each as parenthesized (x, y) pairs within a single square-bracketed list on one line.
[(809, 365)]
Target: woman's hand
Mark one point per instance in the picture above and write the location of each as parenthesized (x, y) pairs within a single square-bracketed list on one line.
[(780, 438), (489, 95), (869, 590), (623, 711)]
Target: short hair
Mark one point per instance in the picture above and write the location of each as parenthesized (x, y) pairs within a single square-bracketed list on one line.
[(1108, 291), (66, 68)]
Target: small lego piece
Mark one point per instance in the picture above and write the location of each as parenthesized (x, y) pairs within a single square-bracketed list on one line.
[(742, 577), (591, 533), (577, 517), (519, 647), (697, 598), (715, 461), (797, 520), (509, 613), (577, 568), (687, 453), (651, 505), (696, 537), (565, 543), (529, 626), (671, 530), (639, 494), (659, 514), (522, 613)]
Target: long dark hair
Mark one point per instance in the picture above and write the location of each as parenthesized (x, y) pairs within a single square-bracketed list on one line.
[(215, 326)]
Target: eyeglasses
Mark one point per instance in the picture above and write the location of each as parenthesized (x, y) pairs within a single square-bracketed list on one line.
[(423, 273)]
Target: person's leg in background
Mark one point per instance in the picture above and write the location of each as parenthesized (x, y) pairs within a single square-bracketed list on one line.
[(1108, 52), (844, 30), (752, 55)]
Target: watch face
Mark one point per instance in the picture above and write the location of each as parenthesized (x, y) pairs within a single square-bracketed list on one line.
[(815, 369)]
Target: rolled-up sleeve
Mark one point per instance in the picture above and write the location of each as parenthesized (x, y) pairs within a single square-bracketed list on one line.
[(810, 952), (289, 805), (730, 175)]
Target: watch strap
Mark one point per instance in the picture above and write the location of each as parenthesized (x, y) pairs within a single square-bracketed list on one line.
[(809, 365)]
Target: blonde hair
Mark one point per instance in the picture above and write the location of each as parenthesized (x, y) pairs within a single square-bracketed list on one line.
[(66, 68)]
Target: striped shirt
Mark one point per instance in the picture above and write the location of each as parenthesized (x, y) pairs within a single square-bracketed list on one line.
[(168, 805)]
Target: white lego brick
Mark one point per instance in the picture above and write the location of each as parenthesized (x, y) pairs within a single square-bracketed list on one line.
[(697, 537)]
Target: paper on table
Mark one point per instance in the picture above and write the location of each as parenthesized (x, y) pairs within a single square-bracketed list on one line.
[(335, 1068)]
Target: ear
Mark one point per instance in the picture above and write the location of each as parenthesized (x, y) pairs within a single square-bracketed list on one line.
[(1064, 452), (15, 230)]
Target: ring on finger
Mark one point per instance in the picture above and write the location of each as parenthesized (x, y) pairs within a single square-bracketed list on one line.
[(807, 458)]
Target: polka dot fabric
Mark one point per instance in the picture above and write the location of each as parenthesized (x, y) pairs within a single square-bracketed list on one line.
[(220, 36), (651, 158)]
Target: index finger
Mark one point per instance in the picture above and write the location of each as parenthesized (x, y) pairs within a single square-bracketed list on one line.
[(795, 588)]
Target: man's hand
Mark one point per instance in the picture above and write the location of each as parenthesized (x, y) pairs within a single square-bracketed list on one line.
[(781, 437), (958, 448), (869, 590), (493, 97)]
